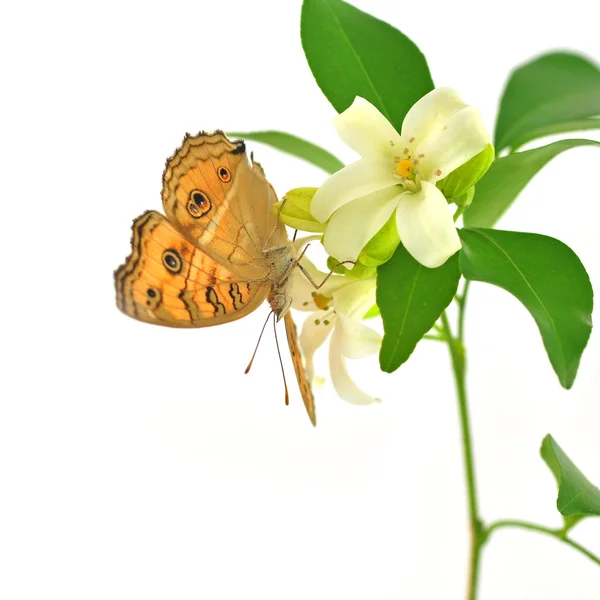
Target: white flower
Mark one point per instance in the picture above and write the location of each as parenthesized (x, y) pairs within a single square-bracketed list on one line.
[(399, 172), (337, 308)]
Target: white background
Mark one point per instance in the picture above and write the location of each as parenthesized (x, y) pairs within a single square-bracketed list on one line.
[(140, 462)]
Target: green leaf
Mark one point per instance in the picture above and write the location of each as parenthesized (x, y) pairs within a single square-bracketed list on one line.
[(547, 277), (577, 496), (411, 298), (351, 54), (507, 177), (296, 147), (554, 93)]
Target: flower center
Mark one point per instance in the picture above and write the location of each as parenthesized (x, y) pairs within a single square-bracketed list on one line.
[(404, 168), (321, 301), (407, 169)]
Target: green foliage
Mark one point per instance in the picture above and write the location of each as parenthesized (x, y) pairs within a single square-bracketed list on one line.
[(554, 93), (547, 277), (372, 312), (382, 245), (411, 299), (461, 180), (577, 496), (358, 271), (295, 146), (354, 54), (507, 177)]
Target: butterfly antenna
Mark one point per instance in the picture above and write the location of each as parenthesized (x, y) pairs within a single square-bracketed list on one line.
[(257, 344), (287, 396), (303, 250), (281, 208)]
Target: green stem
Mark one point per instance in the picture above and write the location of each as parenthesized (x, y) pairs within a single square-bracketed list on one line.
[(461, 312), (459, 211), (555, 533), (457, 355), (479, 532), (434, 338)]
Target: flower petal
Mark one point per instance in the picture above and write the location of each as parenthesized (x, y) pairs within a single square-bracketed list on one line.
[(355, 223), (354, 181), (446, 149), (367, 131), (357, 340), (426, 226), (302, 290), (343, 384), (299, 243), (430, 113), (312, 338), (356, 298)]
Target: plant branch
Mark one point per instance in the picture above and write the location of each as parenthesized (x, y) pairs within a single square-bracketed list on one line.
[(461, 311), (555, 533), (457, 355)]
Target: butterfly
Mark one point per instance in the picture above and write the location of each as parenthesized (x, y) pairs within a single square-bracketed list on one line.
[(219, 252)]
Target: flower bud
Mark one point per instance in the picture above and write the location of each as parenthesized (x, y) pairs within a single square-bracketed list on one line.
[(382, 245), (372, 312), (358, 271), (461, 180), (465, 200), (294, 210)]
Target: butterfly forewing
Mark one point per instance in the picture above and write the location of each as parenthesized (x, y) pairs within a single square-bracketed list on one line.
[(221, 202)]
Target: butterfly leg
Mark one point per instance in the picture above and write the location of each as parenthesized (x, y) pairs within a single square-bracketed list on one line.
[(319, 285), (275, 248)]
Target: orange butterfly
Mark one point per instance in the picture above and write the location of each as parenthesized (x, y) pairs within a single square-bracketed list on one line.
[(218, 253)]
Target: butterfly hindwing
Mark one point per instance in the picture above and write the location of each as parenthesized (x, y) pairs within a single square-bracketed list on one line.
[(166, 280)]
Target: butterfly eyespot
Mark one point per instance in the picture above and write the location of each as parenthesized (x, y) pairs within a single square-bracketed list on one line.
[(153, 298), (172, 261), (193, 209), (198, 205), (224, 174)]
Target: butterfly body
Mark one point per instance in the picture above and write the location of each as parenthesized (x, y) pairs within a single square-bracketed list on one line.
[(219, 252), (283, 260)]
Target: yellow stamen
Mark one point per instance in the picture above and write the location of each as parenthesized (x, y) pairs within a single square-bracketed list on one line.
[(404, 167), (321, 302)]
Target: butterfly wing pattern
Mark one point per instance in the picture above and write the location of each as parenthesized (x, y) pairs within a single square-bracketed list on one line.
[(166, 280), (219, 252), (303, 383)]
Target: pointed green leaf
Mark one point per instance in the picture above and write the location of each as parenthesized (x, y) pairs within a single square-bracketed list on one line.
[(551, 94), (411, 299), (351, 54), (577, 496), (295, 146), (507, 177), (547, 277)]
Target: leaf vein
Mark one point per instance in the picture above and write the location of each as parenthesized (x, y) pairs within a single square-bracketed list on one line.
[(359, 61), (409, 302), (503, 252)]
